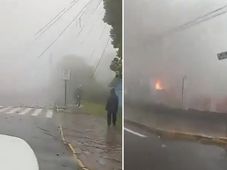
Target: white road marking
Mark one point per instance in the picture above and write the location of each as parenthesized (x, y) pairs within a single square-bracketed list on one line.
[(25, 111), (37, 112), (5, 109), (135, 133), (49, 114), (14, 110)]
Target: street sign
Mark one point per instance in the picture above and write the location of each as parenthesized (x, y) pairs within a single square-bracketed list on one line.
[(66, 74), (222, 55)]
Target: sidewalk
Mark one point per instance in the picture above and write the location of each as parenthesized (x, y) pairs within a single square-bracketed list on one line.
[(191, 122), (98, 147)]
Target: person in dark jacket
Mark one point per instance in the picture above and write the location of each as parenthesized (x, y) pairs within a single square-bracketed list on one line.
[(112, 107), (78, 95)]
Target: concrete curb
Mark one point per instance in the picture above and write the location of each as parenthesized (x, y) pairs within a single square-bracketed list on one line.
[(220, 141), (72, 149)]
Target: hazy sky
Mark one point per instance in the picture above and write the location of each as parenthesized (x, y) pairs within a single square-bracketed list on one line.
[(158, 52), (22, 71)]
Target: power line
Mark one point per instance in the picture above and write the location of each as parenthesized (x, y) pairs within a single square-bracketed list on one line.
[(41, 29), (100, 59), (97, 7), (92, 52), (208, 16), (59, 15), (92, 27), (88, 31), (100, 36), (52, 22), (63, 31), (93, 10), (55, 19), (205, 15), (72, 1), (102, 55), (186, 26), (94, 47)]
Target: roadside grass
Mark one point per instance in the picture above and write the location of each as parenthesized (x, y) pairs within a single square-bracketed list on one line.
[(98, 109)]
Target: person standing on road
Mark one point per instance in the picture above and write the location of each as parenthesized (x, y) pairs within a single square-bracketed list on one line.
[(78, 95), (112, 107)]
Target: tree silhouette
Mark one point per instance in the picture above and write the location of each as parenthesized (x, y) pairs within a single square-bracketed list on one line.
[(113, 17)]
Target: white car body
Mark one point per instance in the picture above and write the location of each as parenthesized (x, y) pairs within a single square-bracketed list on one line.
[(16, 154)]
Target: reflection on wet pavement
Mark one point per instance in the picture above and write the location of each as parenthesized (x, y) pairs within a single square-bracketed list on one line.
[(98, 146)]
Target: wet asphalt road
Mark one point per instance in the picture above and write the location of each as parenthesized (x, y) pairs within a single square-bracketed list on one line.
[(42, 135), (149, 152)]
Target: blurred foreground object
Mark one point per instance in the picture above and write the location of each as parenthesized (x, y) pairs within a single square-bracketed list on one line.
[(16, 154), (222, 55)]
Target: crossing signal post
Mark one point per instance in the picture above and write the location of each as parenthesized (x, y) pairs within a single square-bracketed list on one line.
[(66, 78), (182, 91)]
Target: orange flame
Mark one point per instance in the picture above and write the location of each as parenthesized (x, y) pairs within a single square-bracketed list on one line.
[(158, 85)]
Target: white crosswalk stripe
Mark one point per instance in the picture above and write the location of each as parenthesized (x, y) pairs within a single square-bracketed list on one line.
[(14, 110), (49, 114), (5, 109), (25, 111), (36, 112)]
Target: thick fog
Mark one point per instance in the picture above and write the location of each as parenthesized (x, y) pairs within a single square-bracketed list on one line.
[(160, 48), (32, 47)]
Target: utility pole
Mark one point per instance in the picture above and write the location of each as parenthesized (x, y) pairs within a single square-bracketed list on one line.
[(222, 56), (65, 92), (66, 77), (182, 92)]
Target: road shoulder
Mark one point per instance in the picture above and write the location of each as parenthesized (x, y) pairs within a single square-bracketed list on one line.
[(150, 123)]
